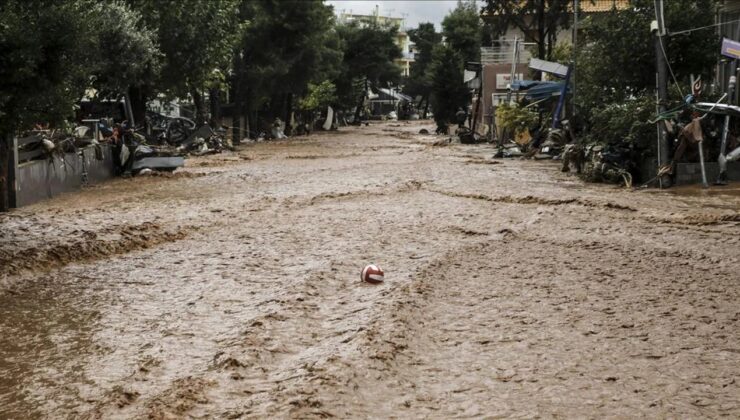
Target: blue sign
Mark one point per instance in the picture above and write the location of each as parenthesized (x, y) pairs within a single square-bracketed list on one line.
[(730, 48)]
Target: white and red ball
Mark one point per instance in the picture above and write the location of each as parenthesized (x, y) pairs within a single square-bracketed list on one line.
[(372, 274)]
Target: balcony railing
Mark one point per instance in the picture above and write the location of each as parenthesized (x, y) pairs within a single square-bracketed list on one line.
[(503, 53)]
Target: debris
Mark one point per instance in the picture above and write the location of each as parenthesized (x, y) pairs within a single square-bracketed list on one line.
[(277, 129), (512, 152), (164, 163), (329, 118), (423, 131)]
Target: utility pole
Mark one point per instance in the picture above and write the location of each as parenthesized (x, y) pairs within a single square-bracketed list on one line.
[(576, 5), (658, 29), (722, 178), (514, 61)]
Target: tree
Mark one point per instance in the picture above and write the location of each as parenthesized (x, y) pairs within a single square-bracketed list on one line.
[(617, 60), (616, 68), (462, 30), (419, 83), (196, 38), (448, 90), (369, 50), (129, 54), (286, 46), (540, 20), (46, 49), (319, 96)]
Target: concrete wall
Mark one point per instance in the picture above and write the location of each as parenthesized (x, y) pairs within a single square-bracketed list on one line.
[(41, 179)]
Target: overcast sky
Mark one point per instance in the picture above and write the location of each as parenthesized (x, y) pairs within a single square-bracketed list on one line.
[(414, 11)]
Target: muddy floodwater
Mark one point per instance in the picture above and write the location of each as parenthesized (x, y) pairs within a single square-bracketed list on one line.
[(231, 289)]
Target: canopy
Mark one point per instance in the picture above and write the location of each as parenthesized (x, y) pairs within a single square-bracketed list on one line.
[(544, 90)]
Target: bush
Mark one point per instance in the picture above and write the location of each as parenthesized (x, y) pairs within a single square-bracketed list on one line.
[(514, 119), (626, 123)]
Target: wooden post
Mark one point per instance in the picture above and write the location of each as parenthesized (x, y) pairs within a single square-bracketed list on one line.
[(4, 171), (13, 174)]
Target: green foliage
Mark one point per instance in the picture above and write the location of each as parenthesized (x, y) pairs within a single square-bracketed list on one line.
[(514, 118), (426, 38), (285, 46), (46, 50), (448, 90), (616, 67), (128, 55), (624, 122), (540, 19), (368, 50), (462, 30), (196, 38), (562, 53), (319, 96), (617, 61)]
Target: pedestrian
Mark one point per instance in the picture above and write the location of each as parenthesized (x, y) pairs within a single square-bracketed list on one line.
[(461, 116)]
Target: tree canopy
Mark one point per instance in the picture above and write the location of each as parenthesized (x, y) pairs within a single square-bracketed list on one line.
[(369, 51), (285, 47), (462, 30), (419, 81), (196, 39), (448, 91), (617, 60), (539, 19), (45, 50)]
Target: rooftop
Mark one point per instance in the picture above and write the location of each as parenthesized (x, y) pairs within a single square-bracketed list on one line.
[(589, 6)]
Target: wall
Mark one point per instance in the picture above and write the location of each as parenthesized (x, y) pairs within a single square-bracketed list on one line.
[(41, 179)]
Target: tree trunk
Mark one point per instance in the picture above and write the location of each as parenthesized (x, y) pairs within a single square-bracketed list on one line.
[(362, 102), (541, 53), (426, 106), (214, 96), (4, 169), (288, 111), (138, 98), (200, 111)]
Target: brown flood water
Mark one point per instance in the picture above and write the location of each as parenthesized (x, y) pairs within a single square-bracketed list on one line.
[(231, 290)]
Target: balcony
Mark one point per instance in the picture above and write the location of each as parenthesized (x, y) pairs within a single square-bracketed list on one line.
[(503, 53)]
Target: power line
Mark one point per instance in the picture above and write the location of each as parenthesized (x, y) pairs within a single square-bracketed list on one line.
[(662, 48), (660, 18), (702, 27)]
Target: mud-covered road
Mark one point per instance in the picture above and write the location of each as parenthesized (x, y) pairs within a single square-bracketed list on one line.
[(231, 289)]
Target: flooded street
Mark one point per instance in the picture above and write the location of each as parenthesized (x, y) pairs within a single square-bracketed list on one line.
[(230, 289)]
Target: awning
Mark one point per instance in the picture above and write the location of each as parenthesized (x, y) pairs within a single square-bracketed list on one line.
[(544, 90), (524, 84)]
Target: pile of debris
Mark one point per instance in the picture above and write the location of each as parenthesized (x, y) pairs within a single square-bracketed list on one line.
[(162, 146)]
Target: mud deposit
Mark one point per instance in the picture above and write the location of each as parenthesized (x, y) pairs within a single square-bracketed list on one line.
[(232, 290)]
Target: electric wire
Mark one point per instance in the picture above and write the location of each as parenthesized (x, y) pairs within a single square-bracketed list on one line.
[(662, 48), (686, 31), (675, 81)]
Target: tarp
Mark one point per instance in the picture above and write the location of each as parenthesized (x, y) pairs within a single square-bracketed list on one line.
[(524, 84), (544, 90)]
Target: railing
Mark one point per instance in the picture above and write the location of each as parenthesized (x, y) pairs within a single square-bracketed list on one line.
[(503, 53)]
